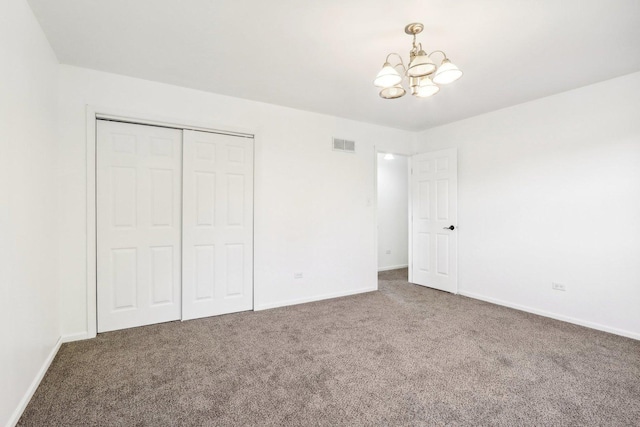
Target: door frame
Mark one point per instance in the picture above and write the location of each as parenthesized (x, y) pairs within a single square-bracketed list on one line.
[(93, 113)]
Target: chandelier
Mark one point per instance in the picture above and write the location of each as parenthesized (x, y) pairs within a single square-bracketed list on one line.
[(422, 74)]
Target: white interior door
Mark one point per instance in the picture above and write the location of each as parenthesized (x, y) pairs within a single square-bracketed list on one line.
[(138, 179), (217, 224), (434, 215)]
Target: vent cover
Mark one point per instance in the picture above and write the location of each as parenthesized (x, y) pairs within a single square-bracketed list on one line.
[(344, 145)]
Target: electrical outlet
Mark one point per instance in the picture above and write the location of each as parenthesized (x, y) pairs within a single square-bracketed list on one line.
[(297, 275), (558, 287), (388, 251)]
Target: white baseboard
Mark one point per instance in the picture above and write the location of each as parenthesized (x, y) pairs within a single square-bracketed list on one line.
[(259, 307), (556, 316), (393, 267), (17, 413), (75, 337)]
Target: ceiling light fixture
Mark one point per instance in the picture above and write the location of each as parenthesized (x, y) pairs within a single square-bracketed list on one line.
[(423, 74)]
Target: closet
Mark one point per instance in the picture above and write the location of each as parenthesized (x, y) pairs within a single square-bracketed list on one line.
[(174, 224)]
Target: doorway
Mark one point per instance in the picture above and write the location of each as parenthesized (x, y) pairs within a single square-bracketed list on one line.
[(393, 211), (417, 217)]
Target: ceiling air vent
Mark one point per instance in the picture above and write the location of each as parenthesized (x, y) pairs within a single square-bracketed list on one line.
[(344, 145)]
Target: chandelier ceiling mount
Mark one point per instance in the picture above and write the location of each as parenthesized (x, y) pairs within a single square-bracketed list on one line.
[(414, 28)]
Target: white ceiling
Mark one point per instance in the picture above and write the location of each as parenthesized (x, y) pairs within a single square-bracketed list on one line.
[(322, 55)]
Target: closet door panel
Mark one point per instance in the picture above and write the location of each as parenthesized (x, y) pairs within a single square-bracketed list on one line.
[(138, 178), (217, 224)]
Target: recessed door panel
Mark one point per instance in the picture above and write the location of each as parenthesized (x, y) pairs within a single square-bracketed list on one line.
[(423, 243), (235, 199), (123, 143), (442, 251), (236, 155), (442, 164), (205, 151), (205, 193), (124, 278), (162, 197), (162, 146), (217, 224), (138, 178), (123, 200), (205, 271), (424, 206), (162, 276), (235, 269), (442, 199)]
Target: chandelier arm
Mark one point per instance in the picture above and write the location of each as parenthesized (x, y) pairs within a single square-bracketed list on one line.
[(438, 51), (393, 53), (401, 64), (399, 57)]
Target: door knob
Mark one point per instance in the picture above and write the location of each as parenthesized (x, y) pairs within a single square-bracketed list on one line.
[(451, 227)]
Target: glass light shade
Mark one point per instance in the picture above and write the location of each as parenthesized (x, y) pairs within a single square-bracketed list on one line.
[(392, 92), (421, 65), (426, 88), (387, 77), (447, 73)]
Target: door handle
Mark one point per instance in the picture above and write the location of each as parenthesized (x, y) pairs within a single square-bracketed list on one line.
[(451, 227)]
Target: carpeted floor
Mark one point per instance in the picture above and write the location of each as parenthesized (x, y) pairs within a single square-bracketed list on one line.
[(405, 355)]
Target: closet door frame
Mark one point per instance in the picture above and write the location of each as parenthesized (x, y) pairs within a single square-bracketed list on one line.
[(93, 113)]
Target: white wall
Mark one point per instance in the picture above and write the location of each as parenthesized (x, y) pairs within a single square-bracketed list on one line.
[(393, 212), (549, 191), (314, 208), (29, 310)]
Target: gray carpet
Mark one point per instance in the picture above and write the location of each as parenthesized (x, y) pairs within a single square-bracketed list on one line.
[(405, 355)]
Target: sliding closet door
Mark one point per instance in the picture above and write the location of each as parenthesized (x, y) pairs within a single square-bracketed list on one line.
[(217, 224), (139, 171)]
